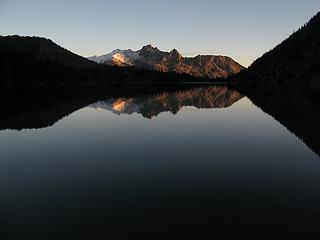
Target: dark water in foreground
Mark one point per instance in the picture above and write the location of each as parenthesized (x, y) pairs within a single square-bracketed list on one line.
[(183, 162)]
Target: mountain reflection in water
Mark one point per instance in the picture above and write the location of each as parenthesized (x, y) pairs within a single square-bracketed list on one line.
[(41, 108), (152, 105), (72, 171)]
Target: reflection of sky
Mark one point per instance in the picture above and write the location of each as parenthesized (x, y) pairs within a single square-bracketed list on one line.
[(243, 29)]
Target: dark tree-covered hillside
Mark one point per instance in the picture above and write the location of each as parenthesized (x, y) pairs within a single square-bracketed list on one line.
[(295, 61), (45, 50)]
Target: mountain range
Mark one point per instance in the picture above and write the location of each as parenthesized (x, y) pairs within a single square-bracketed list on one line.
[(34, 61), (39, 61), (151, 58)]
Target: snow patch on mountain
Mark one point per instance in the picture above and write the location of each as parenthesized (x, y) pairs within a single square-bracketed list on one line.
[(126, 57)]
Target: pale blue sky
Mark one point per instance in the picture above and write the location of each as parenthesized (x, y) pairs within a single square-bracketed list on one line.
[(241, 29)]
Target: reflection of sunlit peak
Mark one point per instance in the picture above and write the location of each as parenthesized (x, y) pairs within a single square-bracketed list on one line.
[(119, 105)]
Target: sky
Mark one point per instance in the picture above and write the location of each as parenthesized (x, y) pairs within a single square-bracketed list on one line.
[(243, 30)]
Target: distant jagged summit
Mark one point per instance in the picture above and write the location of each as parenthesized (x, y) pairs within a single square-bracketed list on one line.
[(151, 58), (149, 48)]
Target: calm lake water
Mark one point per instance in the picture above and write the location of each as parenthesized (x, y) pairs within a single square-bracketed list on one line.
[(180, 162)]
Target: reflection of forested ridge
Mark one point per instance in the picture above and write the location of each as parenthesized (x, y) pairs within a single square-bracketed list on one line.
[(152, 105), (297, 109), (42, 107), (39, 108)]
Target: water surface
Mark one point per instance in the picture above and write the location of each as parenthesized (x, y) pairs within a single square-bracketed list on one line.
[(171, 162)]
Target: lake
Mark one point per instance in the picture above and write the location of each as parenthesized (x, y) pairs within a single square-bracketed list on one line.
[(181, 162)]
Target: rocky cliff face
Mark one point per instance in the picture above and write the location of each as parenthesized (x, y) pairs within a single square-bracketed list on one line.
[(151, 58)]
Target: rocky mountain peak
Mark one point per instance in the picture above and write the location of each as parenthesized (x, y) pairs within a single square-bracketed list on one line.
[(175, 52), (151, 58), (175, 55), (148, 48)]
